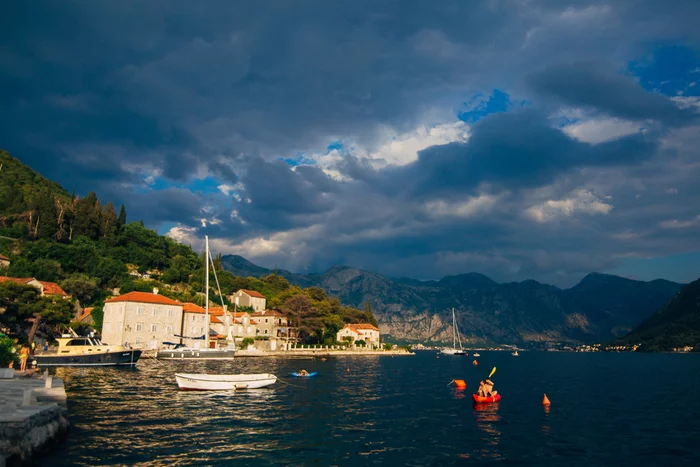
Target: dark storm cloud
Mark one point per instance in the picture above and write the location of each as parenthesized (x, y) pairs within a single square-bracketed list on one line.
[(509, 151), (586, 84), (130, 98)]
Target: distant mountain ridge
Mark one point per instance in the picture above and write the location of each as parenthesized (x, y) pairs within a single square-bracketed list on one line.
[(601, 307)]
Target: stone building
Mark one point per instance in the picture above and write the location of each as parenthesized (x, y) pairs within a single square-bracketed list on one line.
[(250, 298), (4, 262), (46, 288), (194, 326), (360, 332), (271, 323), (141, 319)]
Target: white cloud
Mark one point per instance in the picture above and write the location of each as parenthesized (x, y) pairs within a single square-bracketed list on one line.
[(468, 208), (582, 201), (403, 149), (599, 130), (677, 224)]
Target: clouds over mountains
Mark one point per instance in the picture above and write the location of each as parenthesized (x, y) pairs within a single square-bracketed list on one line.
[(518, 139)]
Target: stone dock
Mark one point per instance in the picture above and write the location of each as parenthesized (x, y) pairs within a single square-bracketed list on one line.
[(33, 415)]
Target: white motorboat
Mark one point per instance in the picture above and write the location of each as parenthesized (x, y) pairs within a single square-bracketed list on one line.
[(515, 353), (205, 382), (477, 355), (455, 338)]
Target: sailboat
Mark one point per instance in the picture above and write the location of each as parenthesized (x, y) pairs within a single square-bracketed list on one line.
[(222, 382), (455, 338), (206, 353)]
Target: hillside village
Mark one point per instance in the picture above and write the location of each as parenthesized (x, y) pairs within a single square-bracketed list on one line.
[(67, 260)]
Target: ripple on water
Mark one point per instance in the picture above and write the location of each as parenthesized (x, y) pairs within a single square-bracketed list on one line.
[(389, 411)]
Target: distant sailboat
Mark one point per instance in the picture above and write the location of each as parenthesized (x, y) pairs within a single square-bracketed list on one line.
[(455, 339)]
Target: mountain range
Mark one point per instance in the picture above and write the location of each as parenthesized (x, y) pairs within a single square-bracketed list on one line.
[(600, 308)]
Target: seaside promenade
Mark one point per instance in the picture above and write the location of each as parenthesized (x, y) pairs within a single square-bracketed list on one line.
[(33, 414)]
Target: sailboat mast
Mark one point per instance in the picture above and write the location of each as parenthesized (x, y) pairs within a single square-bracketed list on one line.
[(206, 291), (454, 334)]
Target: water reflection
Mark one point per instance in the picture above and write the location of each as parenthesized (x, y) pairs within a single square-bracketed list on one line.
[(487, 420)]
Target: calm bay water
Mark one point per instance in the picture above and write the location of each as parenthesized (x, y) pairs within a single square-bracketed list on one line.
[(607, 409)]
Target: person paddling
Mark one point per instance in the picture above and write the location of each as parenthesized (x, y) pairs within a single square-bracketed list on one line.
[(303, 373)]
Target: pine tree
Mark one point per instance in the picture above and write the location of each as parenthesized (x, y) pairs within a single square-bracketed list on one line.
[(109, 222), (121, 221), (88, 216), (47, 221), (368, 307)]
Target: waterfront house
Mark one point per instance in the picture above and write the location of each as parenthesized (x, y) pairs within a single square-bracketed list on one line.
[(250, 298), (194, 326), (274, 326), (141, 319), (360, 332), (4, 262)]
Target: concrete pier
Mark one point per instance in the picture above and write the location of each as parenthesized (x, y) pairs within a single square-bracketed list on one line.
[(32, 416)]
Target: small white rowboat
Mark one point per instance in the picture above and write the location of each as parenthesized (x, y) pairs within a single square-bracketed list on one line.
[(204, 382)]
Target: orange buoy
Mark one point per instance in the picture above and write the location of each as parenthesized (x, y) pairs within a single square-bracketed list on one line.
[(348, 369), (475, 363), (460, 384), (545, 401)]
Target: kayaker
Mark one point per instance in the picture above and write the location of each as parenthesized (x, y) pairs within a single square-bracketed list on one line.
[(303, 372), (488, 388), (482, 389)]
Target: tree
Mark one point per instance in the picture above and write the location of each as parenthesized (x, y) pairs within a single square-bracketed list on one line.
[(368, 307), (47, 221), (121, 220), (109, 225), (87, 217), (81, 286)]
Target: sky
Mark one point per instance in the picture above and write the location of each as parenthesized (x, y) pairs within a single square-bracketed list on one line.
[(520, 139)]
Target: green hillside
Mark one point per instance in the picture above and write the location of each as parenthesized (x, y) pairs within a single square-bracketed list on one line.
[(675, 325), (90, 251)]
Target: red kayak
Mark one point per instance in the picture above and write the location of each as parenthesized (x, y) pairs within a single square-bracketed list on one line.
[(484, 400)]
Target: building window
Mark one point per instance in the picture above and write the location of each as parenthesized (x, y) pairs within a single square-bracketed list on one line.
[(154, 328), (155, 312), (169, 329), (139, 310), (139, 327), (265, 320), (265, 331), (138, 341), (170, 313)]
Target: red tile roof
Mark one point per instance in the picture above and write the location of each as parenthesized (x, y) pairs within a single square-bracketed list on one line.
[(144, 297), (214, 319), (193, 308), (361, 327), (3, 257), (274, 313), (86, 313), (252, 293), (52, 288)]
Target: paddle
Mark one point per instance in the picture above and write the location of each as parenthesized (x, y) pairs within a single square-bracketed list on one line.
[(492, 372)]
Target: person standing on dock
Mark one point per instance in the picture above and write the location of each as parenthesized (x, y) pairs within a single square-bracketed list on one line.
[(23, 356)]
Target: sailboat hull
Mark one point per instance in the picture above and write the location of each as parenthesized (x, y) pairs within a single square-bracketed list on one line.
[(205, 382), (196, 354), (453, 352)]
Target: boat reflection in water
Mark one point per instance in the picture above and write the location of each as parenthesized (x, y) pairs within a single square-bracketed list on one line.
[(487, 419)]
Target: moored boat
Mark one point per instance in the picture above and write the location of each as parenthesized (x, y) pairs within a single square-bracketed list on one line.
[(485, 400), (74, 350), (455, 339), (206, 382)]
